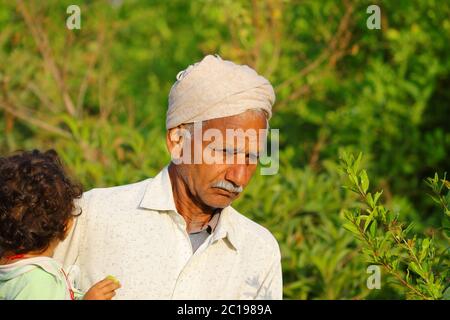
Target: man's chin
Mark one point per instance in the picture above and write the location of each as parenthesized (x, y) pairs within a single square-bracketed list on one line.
[(218, 201)]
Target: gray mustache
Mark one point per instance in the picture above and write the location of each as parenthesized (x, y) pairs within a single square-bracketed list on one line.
[(228, 186)]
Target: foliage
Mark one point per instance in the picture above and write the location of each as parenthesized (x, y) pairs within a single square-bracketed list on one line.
[(99, 95), (416, 264)]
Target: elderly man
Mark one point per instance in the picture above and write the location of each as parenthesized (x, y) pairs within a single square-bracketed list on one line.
[(175, 236)]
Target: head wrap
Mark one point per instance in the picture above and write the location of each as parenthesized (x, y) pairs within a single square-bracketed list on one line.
[(215, 88)]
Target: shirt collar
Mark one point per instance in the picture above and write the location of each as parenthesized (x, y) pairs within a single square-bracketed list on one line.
[(158, 196)]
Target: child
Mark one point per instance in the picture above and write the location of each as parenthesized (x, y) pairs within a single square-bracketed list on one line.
[(36, 212)]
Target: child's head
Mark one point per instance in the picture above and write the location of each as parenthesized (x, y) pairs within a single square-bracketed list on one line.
[(36, 201)]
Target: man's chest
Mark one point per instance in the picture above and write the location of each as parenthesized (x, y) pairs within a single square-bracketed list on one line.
[(153, 259)]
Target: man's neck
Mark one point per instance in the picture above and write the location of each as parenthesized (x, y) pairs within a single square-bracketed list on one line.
[(194, 213)]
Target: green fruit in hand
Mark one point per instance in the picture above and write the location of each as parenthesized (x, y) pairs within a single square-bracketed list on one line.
[(110, 277)]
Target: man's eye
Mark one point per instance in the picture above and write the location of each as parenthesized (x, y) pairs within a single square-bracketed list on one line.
[(253, 158), (223, 151), (228, 151)]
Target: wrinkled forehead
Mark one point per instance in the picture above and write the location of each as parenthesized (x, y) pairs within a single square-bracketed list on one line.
[(246, 134)]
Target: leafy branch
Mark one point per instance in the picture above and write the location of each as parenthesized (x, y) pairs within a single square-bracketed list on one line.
[(414, 263), (438, 195)]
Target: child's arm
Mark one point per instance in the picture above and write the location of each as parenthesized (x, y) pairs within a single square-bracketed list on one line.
[(103, 290)]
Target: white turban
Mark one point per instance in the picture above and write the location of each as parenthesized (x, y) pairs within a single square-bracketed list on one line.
[(216, 88)]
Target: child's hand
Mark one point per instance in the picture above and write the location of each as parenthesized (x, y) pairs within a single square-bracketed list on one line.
[(103, 290)]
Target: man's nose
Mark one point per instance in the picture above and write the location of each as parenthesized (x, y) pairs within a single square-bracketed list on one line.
[(238, 174)]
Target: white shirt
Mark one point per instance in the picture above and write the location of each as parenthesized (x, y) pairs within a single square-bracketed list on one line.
[(134, 233)]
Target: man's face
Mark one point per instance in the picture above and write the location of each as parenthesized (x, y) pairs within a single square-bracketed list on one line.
[(233, 142)]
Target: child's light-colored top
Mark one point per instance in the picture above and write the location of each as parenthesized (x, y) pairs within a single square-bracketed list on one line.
[(39, 278)]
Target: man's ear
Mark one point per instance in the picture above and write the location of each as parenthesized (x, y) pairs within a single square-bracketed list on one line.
[(174, 141)]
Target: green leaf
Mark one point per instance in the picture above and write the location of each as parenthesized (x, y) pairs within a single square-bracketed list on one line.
[(351, 227), (377, 196), (446, 295), (373, 229), (424, 249), (415, 267), (364, 180), (368, 221), (395, 264), (357, 163), (446, 183), (353, 179), (408, 229), (370, 200)]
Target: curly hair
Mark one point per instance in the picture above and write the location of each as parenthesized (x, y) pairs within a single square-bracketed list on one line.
[(36, 201)]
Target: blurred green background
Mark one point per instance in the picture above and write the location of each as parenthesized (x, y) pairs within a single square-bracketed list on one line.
[(99, 96)]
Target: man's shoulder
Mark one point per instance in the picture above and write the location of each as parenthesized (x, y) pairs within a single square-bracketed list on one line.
[(118, 190), (254, 233), (129, 193), (120, 193)]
